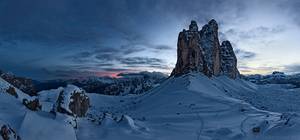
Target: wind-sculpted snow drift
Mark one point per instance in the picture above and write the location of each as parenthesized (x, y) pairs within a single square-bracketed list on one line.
[(200, 101)]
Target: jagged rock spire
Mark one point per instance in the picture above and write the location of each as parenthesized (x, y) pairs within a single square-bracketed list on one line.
[(228, 60), (193, 26), (189, 53), (211, 46), (200, 51)]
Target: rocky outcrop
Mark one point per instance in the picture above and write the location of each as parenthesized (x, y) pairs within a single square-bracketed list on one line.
[(33, 105), (228, 60), (80, 104), (200, 51), (73, 101), (189, 53), (7, 133), (209, 42), (24, 84), (12, 91)]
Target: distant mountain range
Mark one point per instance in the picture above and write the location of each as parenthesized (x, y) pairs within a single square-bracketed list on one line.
[(274, 78), (127, 83)]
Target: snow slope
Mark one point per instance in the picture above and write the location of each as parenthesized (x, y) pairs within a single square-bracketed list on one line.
[(31, 125), (192, 106), (187, 107)]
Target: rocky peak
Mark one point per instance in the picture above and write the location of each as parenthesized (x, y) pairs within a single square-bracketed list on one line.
[(193, 26), (211, 47), (189, 53), (228, 60), (213, 23), (24, 84), (201, 51)]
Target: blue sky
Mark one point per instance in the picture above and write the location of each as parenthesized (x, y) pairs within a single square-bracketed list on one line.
[(48, 39)]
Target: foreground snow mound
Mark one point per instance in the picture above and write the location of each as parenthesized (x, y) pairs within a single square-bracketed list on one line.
[(6, 88), (42, 126), (70, 100), (193, 106), (31, 103), (17, 122)]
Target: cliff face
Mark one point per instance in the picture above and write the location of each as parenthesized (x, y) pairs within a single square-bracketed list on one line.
[(228, 60), (201, 51), (189, 53)]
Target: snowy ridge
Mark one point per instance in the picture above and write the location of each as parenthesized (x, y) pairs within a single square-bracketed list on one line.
[(191, 106), (275, 78), (194, 106), (4, 86), (70, 100), (29, 125), (48, 98)]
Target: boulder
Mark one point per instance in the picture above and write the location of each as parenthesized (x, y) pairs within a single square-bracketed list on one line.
[(7, 133), (73, 101), (33, 105), (12, 91)]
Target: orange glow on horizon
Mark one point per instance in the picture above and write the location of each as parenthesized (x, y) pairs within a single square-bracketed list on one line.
[(109, 74)]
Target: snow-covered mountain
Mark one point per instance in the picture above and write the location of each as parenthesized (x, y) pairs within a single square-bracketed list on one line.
[(275, 78), (18, 122), (126, 83), (24, 84), (192, 106)]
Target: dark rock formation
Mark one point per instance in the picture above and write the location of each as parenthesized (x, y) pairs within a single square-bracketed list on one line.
[(200, 51), (12, 91), (33, 105), (24, 84), (8, 133), (228, 60), (209, 42), (73, 101), (80, 104), (275, 78), (189, 53), (126, 83)]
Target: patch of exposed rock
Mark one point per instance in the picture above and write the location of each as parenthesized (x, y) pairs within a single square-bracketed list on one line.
[(33, 105), (7, 133), (228, 60), (24, 84), (12, 91), (73, 101), (200, 51)]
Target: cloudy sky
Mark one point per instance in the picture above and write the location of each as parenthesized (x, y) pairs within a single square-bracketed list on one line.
[(47, 39)]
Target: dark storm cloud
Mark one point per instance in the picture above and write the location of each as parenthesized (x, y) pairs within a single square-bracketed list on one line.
[(69, 74), (293, 8), (116, 69), (140, 61), (244, 54), (97, 35), (76, 20)]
